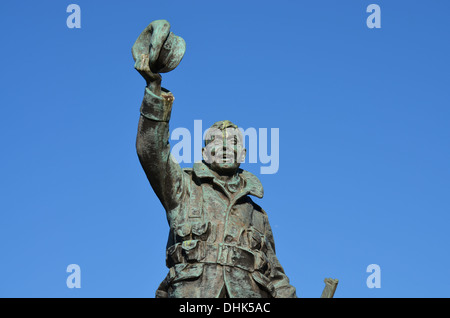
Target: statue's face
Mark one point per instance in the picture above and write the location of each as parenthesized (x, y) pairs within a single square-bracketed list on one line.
[(224, 150)]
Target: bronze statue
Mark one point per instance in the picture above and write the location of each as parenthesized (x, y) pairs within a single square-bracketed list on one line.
[(220, 242)]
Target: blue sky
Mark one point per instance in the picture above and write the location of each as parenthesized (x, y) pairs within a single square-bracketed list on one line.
[(363, 116)]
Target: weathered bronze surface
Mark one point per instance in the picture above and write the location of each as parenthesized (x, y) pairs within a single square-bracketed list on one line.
[(330, 287), (220, 242)]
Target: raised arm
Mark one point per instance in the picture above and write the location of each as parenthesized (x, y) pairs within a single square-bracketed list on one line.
[(152, 142)]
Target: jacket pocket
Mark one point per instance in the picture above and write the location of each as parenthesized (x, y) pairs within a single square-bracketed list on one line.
[(193, 250), (182, 272), (201, 230), (256, 238), (193, 230), (264, 282), (183, 231)]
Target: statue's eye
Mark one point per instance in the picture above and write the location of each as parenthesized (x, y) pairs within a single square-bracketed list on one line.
[(211, 139)]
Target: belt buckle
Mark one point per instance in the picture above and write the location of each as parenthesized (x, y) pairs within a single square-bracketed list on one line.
[(222, 254)]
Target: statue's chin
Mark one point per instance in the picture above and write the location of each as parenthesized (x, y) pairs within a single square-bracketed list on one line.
[(225, 168)]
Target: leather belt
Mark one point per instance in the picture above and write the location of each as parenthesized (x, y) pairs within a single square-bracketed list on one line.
[(215, 253)]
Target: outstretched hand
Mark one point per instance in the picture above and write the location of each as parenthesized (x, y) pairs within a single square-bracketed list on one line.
[(147, 48)]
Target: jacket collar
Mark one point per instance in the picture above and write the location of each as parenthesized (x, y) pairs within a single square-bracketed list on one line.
[(251, 183)]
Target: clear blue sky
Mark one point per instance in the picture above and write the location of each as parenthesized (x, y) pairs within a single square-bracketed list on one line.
[(363, 116)]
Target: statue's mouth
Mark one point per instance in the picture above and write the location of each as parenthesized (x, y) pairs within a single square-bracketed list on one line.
[(227, 160)]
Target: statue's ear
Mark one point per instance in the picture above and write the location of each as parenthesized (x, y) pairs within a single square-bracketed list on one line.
[(206, 155), (242, 155)]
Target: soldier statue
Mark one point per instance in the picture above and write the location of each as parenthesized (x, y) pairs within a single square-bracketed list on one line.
[(220, 242)]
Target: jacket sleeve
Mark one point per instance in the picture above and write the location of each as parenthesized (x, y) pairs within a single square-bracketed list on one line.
[(277, 276), (153, 149)]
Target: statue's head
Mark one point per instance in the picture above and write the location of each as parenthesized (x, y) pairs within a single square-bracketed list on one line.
[(224, 147)]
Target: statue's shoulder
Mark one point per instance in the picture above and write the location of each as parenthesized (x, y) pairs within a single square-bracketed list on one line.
[(256, 207)]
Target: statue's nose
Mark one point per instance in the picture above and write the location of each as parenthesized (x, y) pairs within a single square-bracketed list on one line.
[(224, 142)]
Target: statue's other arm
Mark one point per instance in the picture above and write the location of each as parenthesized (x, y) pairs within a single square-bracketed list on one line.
[(279, 279)]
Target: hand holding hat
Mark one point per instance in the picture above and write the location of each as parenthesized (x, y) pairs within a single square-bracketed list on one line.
[(157, 50)]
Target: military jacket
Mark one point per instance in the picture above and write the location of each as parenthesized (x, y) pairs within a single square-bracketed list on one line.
[(220, 242)]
